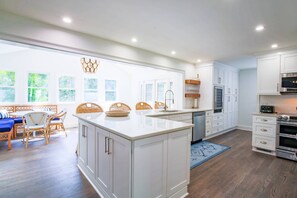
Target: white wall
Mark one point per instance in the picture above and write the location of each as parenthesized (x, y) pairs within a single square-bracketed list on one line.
[(247, 97)]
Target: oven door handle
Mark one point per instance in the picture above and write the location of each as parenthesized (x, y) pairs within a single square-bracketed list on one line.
[(287, 135)]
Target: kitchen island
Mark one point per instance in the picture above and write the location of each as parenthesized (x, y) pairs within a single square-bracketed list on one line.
[(135, 156)]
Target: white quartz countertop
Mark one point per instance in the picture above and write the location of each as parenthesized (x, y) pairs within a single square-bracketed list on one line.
[(266, 114), (139, 124)]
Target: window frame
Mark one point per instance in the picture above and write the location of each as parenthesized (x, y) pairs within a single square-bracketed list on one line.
[(27, 87), (58, 89), (14, 87), (115, 90), (83, 88)]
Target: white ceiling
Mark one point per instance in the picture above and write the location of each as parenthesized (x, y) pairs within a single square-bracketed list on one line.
[(204, 29)]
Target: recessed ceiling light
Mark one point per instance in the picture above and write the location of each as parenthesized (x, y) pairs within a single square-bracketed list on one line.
[(67, 20), (259, 28), (173, 52), (199, 61), (273, 46), (134, 40)]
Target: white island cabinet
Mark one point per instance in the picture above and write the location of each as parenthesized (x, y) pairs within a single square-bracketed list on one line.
[(136, 156)]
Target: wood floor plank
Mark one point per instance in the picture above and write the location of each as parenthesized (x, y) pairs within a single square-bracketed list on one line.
[(51, 171)]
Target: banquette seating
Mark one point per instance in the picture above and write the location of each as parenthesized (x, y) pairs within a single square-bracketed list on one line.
[(10, 124)]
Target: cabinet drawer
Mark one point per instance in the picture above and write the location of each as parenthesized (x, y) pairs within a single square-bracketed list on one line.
[(185, 116), (208, 131), (187, 121), (264, 129), (218, 117), (208, 113), (264, 119), (208, 121), (264, 142), (217, 123)]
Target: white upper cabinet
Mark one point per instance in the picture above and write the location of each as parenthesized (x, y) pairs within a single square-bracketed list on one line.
[(289, 63), (268, 75), (218, 76)]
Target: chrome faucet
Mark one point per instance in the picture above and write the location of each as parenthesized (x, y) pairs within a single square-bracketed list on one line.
[(165, 108)]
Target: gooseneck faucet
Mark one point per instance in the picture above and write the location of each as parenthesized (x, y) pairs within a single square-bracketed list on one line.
[(165, 108)]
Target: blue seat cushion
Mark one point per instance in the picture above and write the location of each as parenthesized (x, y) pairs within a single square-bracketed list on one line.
[(6, 124), (56, 118), (18, 120)]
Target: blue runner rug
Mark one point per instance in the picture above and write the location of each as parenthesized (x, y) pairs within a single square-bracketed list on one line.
[(203, 151)]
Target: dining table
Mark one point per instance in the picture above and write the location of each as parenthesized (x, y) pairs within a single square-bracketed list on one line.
[(22, 113)]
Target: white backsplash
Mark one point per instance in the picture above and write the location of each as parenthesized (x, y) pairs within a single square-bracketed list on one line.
[(283, 103)]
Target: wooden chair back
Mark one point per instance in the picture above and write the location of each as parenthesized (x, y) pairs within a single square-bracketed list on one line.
[(119, 106), (49, 107), (88, 107), (143, 106), (160, 105)]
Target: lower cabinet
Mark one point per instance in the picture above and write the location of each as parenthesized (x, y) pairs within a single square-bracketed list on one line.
[(157, 166), (264, 134)]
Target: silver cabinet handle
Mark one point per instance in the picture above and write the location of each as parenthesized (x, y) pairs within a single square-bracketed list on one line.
[(84, 131), (109, 143), (264, 120), (262, 142), (264, 130), (105, 145), (277, 87)]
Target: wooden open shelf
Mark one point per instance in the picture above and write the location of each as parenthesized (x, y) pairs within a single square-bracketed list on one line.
[(192, 95), (192, 82)]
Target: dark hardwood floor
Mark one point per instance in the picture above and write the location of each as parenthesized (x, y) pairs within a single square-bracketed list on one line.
[(51, 171)]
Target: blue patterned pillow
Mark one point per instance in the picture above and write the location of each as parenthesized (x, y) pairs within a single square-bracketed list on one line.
[(4, 114)]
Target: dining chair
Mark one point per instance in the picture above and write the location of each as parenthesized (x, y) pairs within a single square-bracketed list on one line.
[(35, 121), (58, 121), (88, 107), (143, 106), (119, 106), (159, 105)]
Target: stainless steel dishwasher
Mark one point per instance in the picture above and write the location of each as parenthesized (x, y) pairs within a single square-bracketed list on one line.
[(199, 128)]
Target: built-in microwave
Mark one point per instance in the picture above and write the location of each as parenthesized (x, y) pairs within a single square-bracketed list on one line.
[(289, 83)]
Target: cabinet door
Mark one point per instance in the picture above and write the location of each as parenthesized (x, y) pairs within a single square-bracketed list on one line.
[(82, 139), (289, 63), (178, 170), (150, 166), (218, 76), (103, 160), (120, 153), (268, 75), (234, 82), (91, 148)]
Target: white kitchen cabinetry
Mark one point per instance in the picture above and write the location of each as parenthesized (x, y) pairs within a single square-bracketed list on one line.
[(208, 123), (289, 63), (157, 166), (218, 75), (227, 77), (170, 173), (268, 75), (264, 134), (87, 146), (113, 163)]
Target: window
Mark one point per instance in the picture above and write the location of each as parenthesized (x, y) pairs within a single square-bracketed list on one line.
[(37, 87), (66, 89), (7, 86), (149, 94), (91, 89), (110, 90), (161, 86)]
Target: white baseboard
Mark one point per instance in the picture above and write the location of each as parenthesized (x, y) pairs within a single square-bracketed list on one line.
[(244, 127)]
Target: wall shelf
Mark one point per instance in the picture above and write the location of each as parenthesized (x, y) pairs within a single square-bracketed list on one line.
[(192, 82), (192, 88)]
